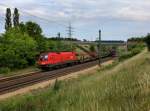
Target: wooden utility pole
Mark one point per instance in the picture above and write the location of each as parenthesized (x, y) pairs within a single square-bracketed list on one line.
[(99, 48)]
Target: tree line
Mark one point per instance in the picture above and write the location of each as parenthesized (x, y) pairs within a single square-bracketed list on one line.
[(65, 39), (8, 20), (143, 39)]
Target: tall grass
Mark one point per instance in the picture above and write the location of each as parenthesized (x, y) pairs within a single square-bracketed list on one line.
[(125, 87)]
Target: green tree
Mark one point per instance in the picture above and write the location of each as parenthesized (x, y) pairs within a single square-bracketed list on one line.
[(16, 17), (17, 50), (22, 28), (42, 44), (92, 48), (147, 41), (8, 23), (33, 29)]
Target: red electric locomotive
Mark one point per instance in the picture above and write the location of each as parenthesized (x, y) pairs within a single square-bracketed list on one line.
[(53, 59)]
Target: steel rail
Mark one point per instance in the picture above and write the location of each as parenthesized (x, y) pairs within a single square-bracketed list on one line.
[(17, 82)]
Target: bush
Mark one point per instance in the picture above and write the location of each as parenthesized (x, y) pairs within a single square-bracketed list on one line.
[(125, 56), (136, 51), (92, 48), (4, 70), (17, 50), (147, 41), (133, 51)]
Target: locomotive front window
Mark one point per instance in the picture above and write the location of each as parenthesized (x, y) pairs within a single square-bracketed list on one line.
[(43, 57)]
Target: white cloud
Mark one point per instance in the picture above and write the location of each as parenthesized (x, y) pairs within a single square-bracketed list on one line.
[(129, 13), (136, 10), (83, 13), (2, 10), (18, 2)]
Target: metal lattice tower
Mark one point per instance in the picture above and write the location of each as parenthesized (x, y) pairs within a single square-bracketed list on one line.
[(70, 30)]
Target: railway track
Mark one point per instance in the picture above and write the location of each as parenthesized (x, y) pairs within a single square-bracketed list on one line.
[(17, 82)]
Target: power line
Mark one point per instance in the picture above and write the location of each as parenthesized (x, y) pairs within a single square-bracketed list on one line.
[(41, 18), (70, 28)]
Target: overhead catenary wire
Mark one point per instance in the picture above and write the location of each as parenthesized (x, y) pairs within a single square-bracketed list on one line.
[(33, 15), (70, 28)]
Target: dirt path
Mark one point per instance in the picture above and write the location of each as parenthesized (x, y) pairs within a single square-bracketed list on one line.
[(50, 82)]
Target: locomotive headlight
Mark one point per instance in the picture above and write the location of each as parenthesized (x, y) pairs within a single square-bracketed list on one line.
[(46, 57)]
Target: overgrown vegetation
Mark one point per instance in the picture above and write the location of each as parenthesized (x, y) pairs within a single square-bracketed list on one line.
[(124, 87), (132, 50), (92, 48), (136, 39), (147, 40), (17, 50), (141, 40)]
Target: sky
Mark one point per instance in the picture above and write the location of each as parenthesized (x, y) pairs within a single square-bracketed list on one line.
[(118, 19)]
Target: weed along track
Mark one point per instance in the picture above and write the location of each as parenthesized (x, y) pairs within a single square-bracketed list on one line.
[(17, 82)]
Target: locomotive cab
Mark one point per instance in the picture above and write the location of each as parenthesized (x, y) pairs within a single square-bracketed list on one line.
[(43, 60), (43, 57)]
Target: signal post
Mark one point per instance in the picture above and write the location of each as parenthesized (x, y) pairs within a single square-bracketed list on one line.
[(99, 49)]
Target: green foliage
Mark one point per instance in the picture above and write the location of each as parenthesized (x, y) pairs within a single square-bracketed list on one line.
[(105, 50), (136, 39), (4, 70), (17, 50), (134, 46), (16, 17), (60, 46), (132, 51), (22, 27), (8, 23), (63, 39), (92, 48), (125, 56), (42, 45), (147, 40), (57, 46), (33, 29)]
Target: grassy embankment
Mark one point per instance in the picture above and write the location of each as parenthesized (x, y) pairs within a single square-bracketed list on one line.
[(20, 71), (124, 87)]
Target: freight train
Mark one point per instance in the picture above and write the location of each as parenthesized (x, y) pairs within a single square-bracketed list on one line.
[(58, 59)]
